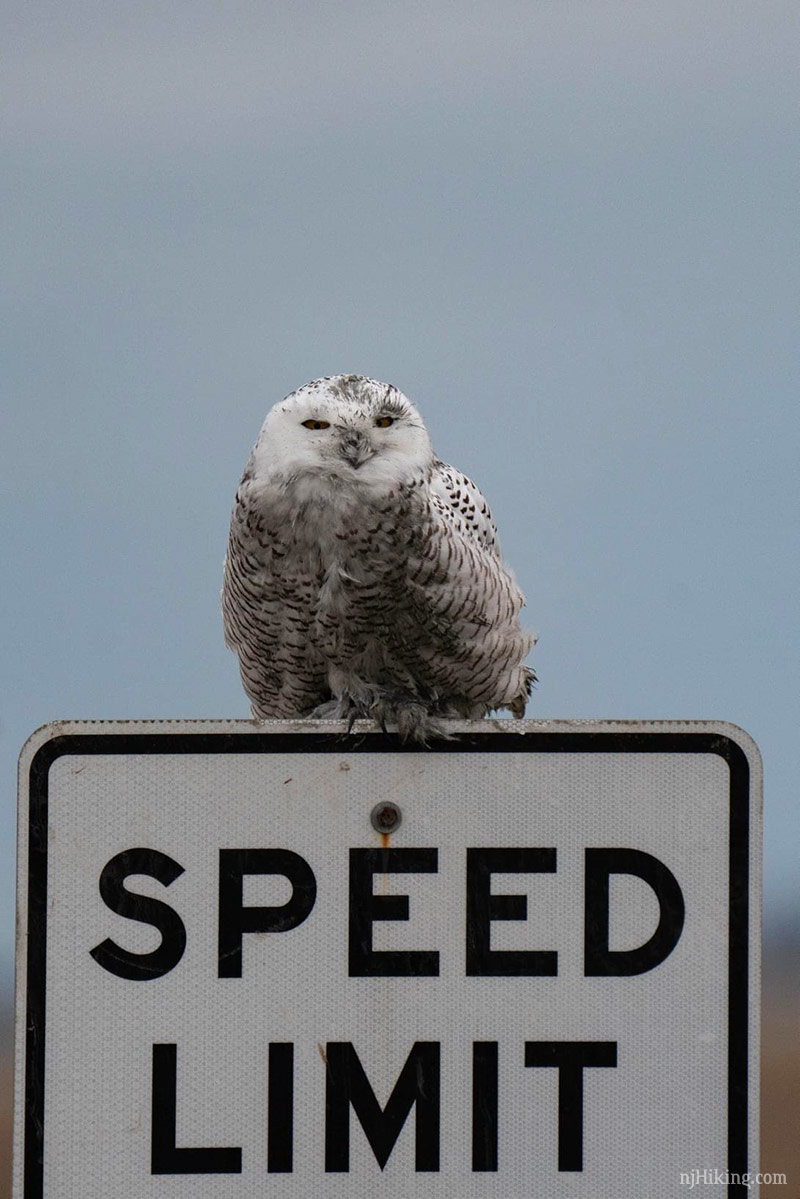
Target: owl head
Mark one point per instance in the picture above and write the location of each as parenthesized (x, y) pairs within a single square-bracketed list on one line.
[(342, 429)]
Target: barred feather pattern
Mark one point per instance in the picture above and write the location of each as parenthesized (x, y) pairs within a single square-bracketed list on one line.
[(375, 589)]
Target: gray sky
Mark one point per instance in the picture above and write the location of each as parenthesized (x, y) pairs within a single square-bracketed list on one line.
[(567, 230)]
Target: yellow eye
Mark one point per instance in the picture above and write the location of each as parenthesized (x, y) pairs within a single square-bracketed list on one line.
[(383, 422), (316, 424)]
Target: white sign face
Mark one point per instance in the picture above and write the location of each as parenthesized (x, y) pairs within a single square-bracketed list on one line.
[(543, 982)]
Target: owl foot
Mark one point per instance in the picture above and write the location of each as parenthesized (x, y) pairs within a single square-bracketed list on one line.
[(327, 711), (405, 715)]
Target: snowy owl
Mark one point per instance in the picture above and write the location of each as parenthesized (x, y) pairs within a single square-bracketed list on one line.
[(363, 576)]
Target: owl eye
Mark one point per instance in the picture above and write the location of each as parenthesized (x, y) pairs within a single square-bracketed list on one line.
[(316, 424), (383, 422)]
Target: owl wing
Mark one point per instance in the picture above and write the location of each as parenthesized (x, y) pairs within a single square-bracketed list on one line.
[(467, 603), (267, 601), (464, 506)]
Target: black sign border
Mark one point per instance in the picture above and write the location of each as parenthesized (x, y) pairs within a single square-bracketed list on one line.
[(555, 741)]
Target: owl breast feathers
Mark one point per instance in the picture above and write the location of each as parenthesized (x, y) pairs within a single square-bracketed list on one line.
[(363, 576)]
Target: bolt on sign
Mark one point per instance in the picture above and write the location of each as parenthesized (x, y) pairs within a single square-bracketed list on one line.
[(283, 960)]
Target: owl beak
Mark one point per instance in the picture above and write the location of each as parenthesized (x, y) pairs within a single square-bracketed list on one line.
[(356, 447)]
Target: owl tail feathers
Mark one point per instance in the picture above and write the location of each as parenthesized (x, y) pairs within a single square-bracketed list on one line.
[(518, 705)]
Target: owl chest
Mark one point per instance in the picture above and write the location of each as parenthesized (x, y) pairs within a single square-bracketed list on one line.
[(332, 564)]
